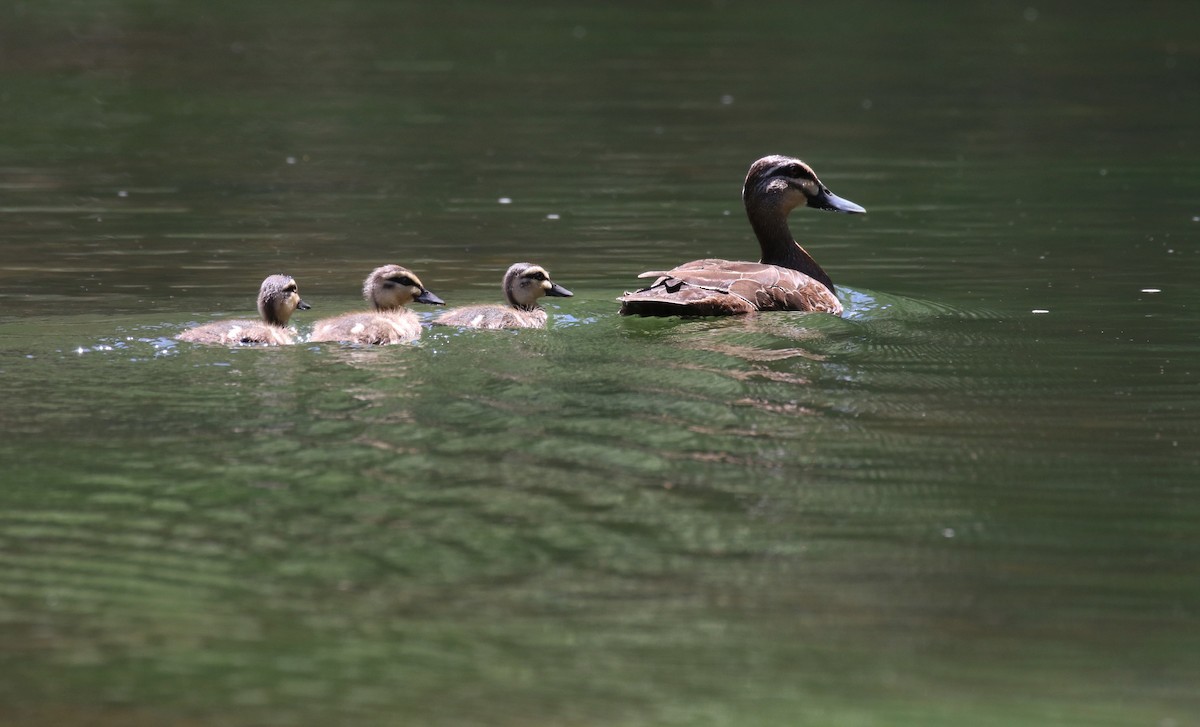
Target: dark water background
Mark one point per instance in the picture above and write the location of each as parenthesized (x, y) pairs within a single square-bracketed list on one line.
[(944, 508)]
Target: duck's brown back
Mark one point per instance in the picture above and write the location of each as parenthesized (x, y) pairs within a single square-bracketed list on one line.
[(715, 287)]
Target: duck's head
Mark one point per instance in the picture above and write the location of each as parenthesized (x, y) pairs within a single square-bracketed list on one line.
[(524, 283), (393, 286), (278, 298), (789, 183)]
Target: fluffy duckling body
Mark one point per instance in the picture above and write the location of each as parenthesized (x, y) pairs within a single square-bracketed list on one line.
[(523, 284), (785, 278), (278, 298), (388, 289)]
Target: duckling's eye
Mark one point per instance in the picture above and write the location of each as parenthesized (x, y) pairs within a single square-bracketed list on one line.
[(290, 289), (537, 276)]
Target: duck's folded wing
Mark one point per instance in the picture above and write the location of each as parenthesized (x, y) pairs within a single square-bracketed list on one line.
[(725, 287)]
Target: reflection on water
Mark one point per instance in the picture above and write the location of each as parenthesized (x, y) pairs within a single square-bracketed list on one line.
[(939, 504), (774, 498)]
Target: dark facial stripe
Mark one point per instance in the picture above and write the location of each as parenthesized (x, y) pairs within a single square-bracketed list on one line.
[(510, 279), (791, 170)]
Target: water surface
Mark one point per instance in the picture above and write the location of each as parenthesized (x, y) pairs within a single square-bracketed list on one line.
[(972, 498)]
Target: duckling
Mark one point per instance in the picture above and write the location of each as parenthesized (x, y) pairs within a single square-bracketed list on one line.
[(786, 278), (277, 300), (388, 289), (523, 284)]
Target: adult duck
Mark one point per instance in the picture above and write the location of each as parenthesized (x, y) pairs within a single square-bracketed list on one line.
[(278, 298), (785, 278), (524, 284), (388, 289)]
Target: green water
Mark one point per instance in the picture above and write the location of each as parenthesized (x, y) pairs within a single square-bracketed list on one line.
[(943, 508)]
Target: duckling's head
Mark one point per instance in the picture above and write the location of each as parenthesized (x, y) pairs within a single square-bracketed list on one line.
[(278, 298), (392, 286), (788, 182), (524, 283)]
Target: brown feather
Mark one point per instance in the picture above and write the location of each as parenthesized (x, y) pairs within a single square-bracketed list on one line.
[(232, 333), (786, 276), (388, 289), (524, 284), (728, 287), (493, 317), (374, 328), (278, 298)]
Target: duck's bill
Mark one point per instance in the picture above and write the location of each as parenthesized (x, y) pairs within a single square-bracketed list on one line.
[(430, 298), (827, 200), (303, 306), (559, 292)]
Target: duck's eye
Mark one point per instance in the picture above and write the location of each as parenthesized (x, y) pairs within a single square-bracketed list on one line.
[(290, 289), (399, 280), (798, 173)]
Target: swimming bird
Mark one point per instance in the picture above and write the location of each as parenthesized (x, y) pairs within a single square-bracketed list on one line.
[(278, 298), (388, 289), (523, 284), (785, 278)]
